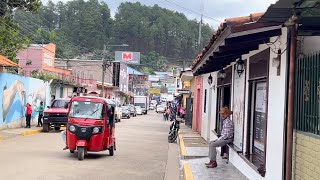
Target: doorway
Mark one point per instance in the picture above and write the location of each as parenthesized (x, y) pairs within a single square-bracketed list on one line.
[(223, 100)]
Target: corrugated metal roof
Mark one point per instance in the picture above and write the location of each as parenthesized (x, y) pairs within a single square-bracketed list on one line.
[(134, 71)]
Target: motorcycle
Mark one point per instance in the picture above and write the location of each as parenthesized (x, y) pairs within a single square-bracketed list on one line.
[(174, 129)]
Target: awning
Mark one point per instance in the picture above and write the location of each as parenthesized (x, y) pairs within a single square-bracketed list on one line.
[(5, 62), (106, 85), (186, 75), (308, 13), (234, 42), (278, 13)]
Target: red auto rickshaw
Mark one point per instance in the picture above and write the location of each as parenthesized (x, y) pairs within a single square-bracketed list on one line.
[(90, 126)]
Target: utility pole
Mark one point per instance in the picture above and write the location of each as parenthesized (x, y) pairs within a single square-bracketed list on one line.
[(200, 34), (200, 26), (105, 65)]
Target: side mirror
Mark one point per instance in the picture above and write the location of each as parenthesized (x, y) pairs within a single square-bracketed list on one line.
[(48, 106), (66, 106)]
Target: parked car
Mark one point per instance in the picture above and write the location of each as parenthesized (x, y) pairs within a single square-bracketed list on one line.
[(160, 109), (139, 110), (133, 111), (125, 112), (117, 109), (56, 115), (151, 107)]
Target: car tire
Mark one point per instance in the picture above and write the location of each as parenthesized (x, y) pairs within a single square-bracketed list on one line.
[(111, 151), (57, 128), (46, 127)]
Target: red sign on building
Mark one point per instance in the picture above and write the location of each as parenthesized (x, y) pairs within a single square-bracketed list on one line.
[(127, 56)]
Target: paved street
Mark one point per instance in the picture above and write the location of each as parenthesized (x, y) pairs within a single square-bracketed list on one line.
[(142, 153)]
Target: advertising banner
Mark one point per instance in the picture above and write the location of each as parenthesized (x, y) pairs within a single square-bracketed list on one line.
[(127, 57)]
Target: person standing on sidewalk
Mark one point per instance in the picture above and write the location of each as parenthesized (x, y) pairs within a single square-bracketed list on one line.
[(40, 110), (28, 115), (225, 138)]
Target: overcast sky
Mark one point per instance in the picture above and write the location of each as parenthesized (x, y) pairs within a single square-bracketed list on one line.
[(213, 10)]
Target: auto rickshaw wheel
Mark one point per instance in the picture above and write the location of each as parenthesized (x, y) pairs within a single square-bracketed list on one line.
[(111, 151), (80, 153), (71, 151)]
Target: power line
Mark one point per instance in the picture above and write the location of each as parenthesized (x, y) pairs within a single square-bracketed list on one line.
[(192, 11)]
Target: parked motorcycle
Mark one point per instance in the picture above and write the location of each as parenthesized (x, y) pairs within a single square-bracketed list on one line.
[(174, 129)]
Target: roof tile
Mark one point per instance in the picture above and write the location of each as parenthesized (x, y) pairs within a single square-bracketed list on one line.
[(7, 62), (235, 21)]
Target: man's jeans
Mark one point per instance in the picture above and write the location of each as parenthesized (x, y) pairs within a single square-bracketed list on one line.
[(213, 147), (64, 136)]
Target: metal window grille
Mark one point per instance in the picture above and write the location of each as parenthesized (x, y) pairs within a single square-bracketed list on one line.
[(307, 94)]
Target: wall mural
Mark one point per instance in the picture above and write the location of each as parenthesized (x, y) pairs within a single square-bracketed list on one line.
[(15, 92)]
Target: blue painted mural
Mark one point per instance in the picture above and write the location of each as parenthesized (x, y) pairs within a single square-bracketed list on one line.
[(15, 92)]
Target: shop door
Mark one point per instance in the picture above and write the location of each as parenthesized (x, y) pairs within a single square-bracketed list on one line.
[(189, 112), (223, 100)]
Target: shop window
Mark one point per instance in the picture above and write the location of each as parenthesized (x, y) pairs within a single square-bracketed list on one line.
[(257, 110)]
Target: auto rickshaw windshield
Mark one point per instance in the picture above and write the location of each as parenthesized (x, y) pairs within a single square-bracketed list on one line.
[(87, 109)]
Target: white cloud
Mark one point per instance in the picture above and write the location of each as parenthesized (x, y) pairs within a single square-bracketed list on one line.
[(213, 9)]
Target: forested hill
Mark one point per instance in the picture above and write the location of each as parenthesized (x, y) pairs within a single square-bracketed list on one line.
[(81, 28)]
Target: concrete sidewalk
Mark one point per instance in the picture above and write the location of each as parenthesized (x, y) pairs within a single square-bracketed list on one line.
[(12, 133), (194, 153)]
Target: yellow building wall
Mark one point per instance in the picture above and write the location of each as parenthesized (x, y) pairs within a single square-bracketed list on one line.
[(306, 156), (184, 99), (192, 86)]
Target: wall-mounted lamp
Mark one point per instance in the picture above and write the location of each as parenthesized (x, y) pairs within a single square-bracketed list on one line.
[(210, 80), (222, 74), (276, 62), (240, 66)]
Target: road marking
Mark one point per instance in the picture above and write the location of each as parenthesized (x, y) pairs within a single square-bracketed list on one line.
[(187, 172), (30, 132), (182, 146)]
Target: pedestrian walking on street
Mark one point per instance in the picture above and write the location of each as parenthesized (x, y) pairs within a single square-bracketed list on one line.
[(225, 138), (40, 110), (28, 115), (64, 138)]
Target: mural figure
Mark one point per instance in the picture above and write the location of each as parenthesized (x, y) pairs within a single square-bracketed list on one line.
[(17, 88), (37, 96)]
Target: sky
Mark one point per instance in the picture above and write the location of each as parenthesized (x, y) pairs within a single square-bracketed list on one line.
[(214, 11)]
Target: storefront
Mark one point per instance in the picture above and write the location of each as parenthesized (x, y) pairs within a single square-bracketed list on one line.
[(247, 79)]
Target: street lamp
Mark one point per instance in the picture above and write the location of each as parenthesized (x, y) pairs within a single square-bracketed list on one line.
[(116, 45), (240, 66), (210, 80)]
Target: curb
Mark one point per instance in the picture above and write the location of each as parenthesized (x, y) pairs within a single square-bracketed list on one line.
[(187, 172), (182, 147), (31, 132)]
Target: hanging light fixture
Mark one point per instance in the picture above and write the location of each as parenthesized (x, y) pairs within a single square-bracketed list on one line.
[(222, 74), (240, 66), (210, 80)]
